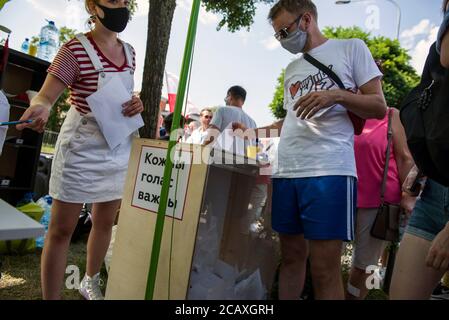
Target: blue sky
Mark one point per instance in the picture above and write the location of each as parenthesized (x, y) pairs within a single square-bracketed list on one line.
[(252, 59)]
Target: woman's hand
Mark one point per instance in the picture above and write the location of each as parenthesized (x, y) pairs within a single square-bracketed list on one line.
[(132, 107), (39, 113), (41, 104), (438, 256), (408, 203)]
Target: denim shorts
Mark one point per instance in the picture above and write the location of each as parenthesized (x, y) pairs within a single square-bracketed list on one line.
[(431, 213)]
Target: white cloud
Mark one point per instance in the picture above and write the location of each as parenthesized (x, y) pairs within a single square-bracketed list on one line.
[(418, 40), (408, 36), (205, 17), (244, 35), (49, 14), (421, 50), (270, 43)]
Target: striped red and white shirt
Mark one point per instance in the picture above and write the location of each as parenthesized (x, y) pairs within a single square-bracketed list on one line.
[(74, 68)]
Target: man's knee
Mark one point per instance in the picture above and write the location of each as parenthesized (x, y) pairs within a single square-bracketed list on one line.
[(294, 250), (325, 261)]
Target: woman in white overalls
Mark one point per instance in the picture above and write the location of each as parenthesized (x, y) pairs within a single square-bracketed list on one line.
[(85, 169)]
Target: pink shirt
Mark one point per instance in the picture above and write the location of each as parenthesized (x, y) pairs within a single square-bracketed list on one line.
[(370, 148)]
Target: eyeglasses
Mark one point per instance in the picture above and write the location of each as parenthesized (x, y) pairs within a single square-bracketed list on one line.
[(283, 33), (207, 117)]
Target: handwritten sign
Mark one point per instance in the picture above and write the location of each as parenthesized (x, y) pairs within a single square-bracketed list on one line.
[(150, 178)]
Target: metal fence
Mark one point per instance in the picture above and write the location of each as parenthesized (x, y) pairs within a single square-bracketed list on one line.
[(49, 141)]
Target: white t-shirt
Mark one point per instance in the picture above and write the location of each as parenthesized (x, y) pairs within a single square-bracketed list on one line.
[(197, 136), (226, 115), (324, 144), (223, 118)]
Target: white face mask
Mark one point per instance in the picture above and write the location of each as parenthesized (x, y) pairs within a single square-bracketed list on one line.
[(295, 41)]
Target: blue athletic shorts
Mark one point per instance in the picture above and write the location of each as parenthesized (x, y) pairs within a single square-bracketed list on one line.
[(321, 208)]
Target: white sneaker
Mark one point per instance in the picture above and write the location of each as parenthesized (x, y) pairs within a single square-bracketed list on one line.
[(90, 287)]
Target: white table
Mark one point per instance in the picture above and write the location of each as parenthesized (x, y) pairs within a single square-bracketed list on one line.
[(15, 225)]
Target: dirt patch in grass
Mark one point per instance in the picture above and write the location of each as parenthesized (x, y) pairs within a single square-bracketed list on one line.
[(21, 274)]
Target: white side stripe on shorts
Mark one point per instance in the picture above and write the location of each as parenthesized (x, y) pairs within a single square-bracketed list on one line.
[(353, 210), (348, 207)]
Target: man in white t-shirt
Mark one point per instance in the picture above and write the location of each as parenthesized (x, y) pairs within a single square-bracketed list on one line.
[(314, 186), (199, 135), (224, 117)]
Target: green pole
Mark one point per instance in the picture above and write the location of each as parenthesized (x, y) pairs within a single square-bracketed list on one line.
[(151, 281)]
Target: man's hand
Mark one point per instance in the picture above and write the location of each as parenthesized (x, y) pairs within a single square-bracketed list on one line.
[(438, 256), (241, 131), (311, 103), (132, 107), (238, 125)]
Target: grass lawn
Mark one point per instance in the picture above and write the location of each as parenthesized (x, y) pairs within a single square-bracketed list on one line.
[(21, 274), (48, 149)]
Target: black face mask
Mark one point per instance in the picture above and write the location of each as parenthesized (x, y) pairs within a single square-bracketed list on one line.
[(114, 19)]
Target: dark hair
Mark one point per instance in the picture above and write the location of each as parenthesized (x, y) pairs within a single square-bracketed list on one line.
[(445, 2), (293, 6), (237, 92), (168, 121)]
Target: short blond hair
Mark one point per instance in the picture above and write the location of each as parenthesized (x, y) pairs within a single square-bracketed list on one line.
[(205, 110), (293, 6)]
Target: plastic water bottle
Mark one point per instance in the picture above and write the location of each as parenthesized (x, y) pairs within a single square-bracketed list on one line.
[(45, 203), (49, 42), (25, 46)]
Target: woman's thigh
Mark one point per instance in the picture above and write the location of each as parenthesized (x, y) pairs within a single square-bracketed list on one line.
[(412, 278)]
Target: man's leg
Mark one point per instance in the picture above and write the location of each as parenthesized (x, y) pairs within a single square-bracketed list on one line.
[(327, 213), (287, 222), (325, 260), (293, 266)]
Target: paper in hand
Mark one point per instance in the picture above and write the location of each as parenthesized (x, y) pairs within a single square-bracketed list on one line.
[(227, 140), (106, 105)]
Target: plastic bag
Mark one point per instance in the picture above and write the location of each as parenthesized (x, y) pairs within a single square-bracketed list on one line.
[(45, 203)]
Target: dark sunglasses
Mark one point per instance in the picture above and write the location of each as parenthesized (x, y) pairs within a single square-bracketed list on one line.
[(208, 117), (283, 33)]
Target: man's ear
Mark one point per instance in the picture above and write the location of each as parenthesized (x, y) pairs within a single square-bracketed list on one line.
[(308, 18)]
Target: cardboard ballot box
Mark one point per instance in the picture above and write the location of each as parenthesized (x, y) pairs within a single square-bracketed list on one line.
[(216, 243)]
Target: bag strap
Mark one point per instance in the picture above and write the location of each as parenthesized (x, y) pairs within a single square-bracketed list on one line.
[(388, 154), (325, 69)]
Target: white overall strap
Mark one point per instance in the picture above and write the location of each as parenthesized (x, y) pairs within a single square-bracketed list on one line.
[(90, 52), (128, 53)]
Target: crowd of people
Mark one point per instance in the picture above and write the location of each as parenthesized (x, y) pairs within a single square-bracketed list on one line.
[(342, 154)]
